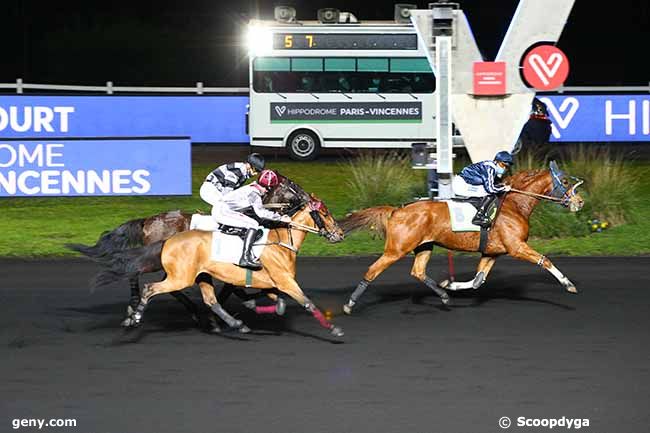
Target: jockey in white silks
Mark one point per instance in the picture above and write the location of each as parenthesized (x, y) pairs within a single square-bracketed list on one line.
[(228, 177), (229, 211), (478, 180)]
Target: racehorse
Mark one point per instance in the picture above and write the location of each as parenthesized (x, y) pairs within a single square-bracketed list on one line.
[(187, 254), (420, 225), (146, 231)]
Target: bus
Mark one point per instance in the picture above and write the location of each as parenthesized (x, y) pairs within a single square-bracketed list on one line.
[(317, 85)]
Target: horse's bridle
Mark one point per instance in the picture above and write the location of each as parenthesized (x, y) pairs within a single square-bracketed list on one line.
[(314, 208), (559, 194)]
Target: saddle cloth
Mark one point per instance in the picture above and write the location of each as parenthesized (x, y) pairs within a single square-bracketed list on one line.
[(226, 248), (461, 214)]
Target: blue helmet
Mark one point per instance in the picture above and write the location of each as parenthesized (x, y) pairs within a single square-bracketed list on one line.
[(504, 157)]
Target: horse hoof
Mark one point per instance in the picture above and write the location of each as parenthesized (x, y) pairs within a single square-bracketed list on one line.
[(195, 319), (243, 329), (214, 330), (347, 309), (130, 310), (444, 284), (280, 307), (572, 289), (127, 323), (250, 304), (336, 331), (446, 300)]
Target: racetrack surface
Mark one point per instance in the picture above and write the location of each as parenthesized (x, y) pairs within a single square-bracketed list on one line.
[(519, 346)]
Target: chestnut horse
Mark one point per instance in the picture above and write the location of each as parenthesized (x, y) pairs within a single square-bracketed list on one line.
[(419, 226), (160, 227), (186, 255)]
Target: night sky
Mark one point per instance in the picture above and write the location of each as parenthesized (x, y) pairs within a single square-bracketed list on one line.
[(177, 43)]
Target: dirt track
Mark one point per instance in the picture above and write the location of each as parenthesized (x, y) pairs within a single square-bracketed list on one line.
[(520, 346)]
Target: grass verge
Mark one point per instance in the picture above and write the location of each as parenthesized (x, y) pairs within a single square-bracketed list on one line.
[(38, 227)]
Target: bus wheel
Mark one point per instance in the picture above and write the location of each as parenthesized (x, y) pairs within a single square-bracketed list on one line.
[(303, 145)]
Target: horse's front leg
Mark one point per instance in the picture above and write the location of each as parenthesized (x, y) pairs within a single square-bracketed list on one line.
[(482, 271), (289, 286), (523, 251)]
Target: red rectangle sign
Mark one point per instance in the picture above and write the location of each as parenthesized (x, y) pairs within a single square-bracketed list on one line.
[(489, 78)]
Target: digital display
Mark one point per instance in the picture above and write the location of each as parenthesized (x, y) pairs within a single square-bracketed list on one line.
[(344, 41)]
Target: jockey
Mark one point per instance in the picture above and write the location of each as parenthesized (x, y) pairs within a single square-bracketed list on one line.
[(228, 177), (477, 180), (229, 211)]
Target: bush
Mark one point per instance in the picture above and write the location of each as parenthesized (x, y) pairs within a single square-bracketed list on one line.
[(609, 190), (384, 179)]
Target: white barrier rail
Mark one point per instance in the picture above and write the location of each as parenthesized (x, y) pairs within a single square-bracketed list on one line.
[(109, 88), (199, 89)]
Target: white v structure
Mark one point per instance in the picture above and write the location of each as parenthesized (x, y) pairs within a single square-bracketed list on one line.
[(491, 124)]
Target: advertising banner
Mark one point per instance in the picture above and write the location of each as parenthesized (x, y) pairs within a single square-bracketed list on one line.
[(31, 168), (599, 118), (205, 119), (357, 112)]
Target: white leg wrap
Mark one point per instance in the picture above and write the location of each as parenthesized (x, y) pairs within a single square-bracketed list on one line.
[(559, 275), (463, 285)]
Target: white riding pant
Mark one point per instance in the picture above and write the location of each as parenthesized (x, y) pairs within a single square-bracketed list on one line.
[(210, 193), (464, 189), (224, 215)]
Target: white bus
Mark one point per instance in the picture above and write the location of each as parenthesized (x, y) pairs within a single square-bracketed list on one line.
[(315, 85)]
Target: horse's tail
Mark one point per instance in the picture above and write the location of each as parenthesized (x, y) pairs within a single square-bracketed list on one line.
[(130, 263), (128, 235), (374, 218)]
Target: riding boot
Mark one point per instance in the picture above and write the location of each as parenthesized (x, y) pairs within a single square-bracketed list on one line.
[(481, 218), (247, 260)]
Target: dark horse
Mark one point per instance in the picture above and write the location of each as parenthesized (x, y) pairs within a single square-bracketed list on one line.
[(146, 231), (419, 226)]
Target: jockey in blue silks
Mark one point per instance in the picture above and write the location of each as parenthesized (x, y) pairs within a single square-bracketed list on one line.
[(478, 180)]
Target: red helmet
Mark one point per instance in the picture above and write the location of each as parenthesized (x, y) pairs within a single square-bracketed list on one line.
[(268, 179)]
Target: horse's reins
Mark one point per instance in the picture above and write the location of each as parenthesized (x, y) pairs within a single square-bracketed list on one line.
[(533, 194), (564, 199)]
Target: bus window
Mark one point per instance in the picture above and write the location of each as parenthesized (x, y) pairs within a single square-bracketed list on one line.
[(342, 75)]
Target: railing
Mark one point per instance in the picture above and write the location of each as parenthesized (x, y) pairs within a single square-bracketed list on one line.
[(199, 89), (110, 88)]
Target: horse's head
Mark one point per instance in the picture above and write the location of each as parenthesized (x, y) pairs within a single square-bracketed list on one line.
[(552, 183), (564, 188), (291, 199), (289, 196), (323, 220)]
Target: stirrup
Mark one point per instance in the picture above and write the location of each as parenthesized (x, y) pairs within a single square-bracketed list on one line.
[(244, 263), (482, 221)]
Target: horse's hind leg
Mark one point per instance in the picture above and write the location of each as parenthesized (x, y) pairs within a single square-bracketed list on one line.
[(152, 289), (482, 271), (419, 271), (134, 284), (373, 272), (207, 291), (188, 304)]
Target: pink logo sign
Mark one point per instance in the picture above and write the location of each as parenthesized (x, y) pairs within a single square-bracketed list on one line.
[(546, 67), (489, 78)]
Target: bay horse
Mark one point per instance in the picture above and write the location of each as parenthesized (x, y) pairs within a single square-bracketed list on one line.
[(420, 225), (146, 231), (186, 255)]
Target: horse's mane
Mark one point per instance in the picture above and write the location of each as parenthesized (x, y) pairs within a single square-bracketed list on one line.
[(524, 177)]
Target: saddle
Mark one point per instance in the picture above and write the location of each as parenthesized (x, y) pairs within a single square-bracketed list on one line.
[(476, 203)]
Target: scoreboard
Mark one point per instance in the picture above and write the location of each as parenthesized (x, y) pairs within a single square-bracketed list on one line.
[(345, 41)]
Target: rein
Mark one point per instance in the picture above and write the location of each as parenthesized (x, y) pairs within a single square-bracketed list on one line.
[(533, 194), (564, 200)]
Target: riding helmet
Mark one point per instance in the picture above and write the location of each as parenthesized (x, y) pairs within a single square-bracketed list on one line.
[(504, 157), (268, 179), (257, 161)]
